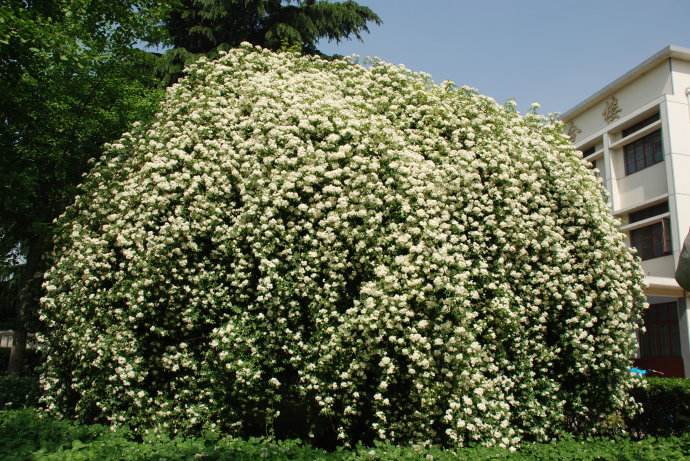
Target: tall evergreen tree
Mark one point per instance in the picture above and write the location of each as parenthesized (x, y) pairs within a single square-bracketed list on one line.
[(204, 27)]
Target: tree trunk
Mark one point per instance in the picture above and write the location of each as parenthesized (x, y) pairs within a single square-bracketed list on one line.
[(29, 295), (18, 352)]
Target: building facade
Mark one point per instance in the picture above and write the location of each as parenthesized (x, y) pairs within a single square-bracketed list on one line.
[(635, 132)]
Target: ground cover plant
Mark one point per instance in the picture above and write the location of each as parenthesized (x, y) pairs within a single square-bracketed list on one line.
[(27, 435), (312, 248)]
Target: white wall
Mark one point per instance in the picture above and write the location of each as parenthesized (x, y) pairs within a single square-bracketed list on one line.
[(677, 154), (659, 267), (639, 187), (647, 88)]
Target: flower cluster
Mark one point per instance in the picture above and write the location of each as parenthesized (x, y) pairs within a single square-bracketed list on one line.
[(315, 248)]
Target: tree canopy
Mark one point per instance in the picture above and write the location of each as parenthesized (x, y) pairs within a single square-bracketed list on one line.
[(70, 81), (204, 27)]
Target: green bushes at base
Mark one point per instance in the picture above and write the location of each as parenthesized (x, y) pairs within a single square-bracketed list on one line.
[(18, 391), (666, 403), (23, 432), (24, 435)]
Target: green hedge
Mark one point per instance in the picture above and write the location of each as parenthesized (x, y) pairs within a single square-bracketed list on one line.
[(18, 391), (666, 403), (25, 435)]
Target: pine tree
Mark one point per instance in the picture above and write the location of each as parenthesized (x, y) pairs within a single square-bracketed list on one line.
[(204, 27)]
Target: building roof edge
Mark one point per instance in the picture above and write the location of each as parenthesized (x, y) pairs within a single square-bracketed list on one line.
[(670, 51)]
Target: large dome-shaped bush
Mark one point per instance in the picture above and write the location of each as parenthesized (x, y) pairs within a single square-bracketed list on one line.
[(313, 248)]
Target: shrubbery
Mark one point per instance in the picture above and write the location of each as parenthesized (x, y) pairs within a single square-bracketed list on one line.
[(311, 248), (23, 432), (666, 403), (24, 435), (18, 391)]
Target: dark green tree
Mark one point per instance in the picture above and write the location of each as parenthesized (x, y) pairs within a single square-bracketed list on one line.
[(70, 81), (204, 27)]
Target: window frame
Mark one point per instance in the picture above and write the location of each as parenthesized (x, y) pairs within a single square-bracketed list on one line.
[(652, 240), (662, 335), (643, 152), (647, 212), (635, 127)]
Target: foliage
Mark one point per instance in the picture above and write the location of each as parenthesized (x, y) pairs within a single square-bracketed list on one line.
[(206, 27), (23, 432), (9, 286), (666, 403), (70, 81), (18, 391), (65, 93), (312, 248), (26, 435)]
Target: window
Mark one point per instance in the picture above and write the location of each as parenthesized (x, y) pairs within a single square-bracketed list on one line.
[(648, 212), (639, 125), (652, 241), (643, 153), (662, 338), (588, 152)]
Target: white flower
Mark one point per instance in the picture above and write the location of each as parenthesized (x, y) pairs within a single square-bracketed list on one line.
[(285, 215)]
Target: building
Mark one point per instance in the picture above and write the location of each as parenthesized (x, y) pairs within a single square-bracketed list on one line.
[(636, 133)]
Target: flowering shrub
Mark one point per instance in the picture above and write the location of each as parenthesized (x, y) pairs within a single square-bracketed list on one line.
[(313, 248)]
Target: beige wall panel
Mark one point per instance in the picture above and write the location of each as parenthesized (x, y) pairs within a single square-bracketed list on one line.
[(681, 173), (647, 88), (638, 187), (681, 76), (659, 267), (679, 126), (683, 217)]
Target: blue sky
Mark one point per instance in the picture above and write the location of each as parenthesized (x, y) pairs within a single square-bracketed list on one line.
[(555, 52)]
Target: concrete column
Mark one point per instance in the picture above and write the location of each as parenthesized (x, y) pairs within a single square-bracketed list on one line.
[(675, 123), (608, 171)]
